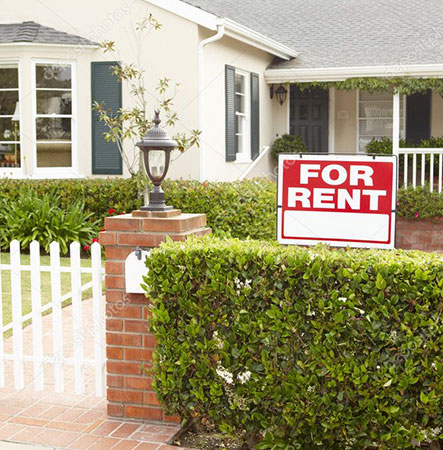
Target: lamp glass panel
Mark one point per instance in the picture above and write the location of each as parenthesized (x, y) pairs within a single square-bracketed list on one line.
[(157, 163)]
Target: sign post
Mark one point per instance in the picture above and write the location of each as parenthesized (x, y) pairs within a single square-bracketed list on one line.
[(341, 200)]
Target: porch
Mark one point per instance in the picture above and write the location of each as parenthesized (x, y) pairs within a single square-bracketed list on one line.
[(332, 118)]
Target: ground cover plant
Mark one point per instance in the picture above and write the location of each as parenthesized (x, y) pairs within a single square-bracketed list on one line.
[(300, 348)]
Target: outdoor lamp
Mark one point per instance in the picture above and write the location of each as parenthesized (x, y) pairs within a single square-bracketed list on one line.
[(157, 147), (281, 94)]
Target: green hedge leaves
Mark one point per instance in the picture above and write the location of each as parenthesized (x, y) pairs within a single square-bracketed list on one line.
[(300, 348)]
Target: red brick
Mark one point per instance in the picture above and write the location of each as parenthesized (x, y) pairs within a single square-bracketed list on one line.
[(115, 410), (126, 311), (136, 299), (115, 282), (138, 354), (115, 381), (139, 239), (140, 412), (121, 223), (182, 223), (172, 419), (119, 253), (147, 313), (114, 268), (121, 367), (124, 396), (136, 326), (114, 352), (107, 238), (113, 296), (150, 398), (114, 324), (119, 339), (149, 341), (141, 383)]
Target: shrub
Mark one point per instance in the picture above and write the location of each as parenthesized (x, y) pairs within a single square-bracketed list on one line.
[(42, 218), (300, 348), (288, 144), (419, 203)]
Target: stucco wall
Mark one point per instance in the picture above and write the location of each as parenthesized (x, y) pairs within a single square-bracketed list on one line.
[(163, 55), (436, 115), (345, 121), (248, 59)]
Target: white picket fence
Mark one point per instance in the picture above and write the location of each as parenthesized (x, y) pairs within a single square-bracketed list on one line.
[(420, 167), (56, 358)]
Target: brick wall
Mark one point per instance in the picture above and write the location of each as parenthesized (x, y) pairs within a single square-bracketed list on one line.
[(129, 345), (426, 235)]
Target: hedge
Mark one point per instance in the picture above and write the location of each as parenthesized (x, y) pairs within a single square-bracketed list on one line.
[(299, 348), (239, 209)]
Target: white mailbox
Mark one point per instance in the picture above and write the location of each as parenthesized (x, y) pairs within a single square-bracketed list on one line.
[(135, 270)]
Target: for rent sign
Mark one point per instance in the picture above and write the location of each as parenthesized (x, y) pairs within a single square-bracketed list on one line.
[(337, 199)]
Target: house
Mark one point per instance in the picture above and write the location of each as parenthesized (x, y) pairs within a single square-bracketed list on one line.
[(241, 65)]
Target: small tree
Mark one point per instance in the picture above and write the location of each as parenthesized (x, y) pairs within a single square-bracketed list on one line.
[(129, 125)]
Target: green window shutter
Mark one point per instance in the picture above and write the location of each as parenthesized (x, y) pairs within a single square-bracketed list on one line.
[(106, 158), (255, 115), (231, 119)]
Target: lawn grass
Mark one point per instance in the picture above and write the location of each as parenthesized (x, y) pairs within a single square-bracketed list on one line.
[(5, 296)]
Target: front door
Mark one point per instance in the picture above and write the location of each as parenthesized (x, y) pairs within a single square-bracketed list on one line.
[(309, 117)]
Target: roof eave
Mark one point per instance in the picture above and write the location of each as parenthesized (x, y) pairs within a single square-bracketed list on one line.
[(47, 44), (343, 73), (232, 28)]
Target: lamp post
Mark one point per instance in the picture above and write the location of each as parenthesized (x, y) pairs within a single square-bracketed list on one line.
[(157, 147)]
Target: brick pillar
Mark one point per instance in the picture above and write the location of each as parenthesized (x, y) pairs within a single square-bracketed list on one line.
[(129, 345)]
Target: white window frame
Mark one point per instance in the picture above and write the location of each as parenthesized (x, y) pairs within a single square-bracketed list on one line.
[(244, 156), (56, 172), (358, 118), (16, 172)]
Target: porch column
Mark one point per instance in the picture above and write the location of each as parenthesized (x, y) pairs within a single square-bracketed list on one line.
[(396, 125)]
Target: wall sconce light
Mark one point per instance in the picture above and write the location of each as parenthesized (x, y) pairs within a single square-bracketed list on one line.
[(281, 93)]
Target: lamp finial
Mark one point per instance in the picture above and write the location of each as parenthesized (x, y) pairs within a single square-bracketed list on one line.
[(157, 119)]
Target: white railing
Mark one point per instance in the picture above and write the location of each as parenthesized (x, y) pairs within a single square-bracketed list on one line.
[(421, 166), (57, 357)]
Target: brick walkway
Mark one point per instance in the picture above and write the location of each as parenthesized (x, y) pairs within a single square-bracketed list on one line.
[(68, 421)]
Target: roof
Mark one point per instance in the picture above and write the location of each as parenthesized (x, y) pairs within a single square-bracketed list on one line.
[(32, 32), (343, 33)]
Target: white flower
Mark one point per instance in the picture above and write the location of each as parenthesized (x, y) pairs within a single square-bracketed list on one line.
[(378, 367), (225, 374), (7, 134), (182, 247), (434, 366), (244, 377), (310, 389), (343, 299)]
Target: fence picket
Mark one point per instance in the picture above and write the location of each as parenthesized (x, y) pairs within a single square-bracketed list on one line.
[(406, 158), (37, 337), (2, 360), (57, 325), (431, 173), (423, 168), (99, 322), (77, 317), (17, 332), (440, 174)]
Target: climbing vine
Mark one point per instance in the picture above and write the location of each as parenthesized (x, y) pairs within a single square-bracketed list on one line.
[(398, 85)]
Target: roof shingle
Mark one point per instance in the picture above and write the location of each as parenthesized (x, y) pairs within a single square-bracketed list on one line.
[(343, 33), (32, 32)]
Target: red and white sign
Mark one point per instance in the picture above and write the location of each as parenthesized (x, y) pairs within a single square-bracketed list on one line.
[(342, 200)]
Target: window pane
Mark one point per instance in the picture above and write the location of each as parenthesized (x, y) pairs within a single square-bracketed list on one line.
[(9, 129), (53, 76), (8, 77), (9, 155), (54, 155), (49, 129), (54, 102), (8, 103), (239, 83)]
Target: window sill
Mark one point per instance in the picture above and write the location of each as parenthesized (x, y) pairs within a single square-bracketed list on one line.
[(242, 159)]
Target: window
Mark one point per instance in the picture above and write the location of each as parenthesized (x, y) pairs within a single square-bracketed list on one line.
[(9, 117), (243, 115), (53, 115), (375, 117)]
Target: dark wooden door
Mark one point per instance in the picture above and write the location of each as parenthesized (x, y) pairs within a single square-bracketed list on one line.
[(418, 117), (309, 117)]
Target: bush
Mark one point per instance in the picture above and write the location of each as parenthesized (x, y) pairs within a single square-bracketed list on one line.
[(288, 144), (300, 348), (419, 203), (43, 219)]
